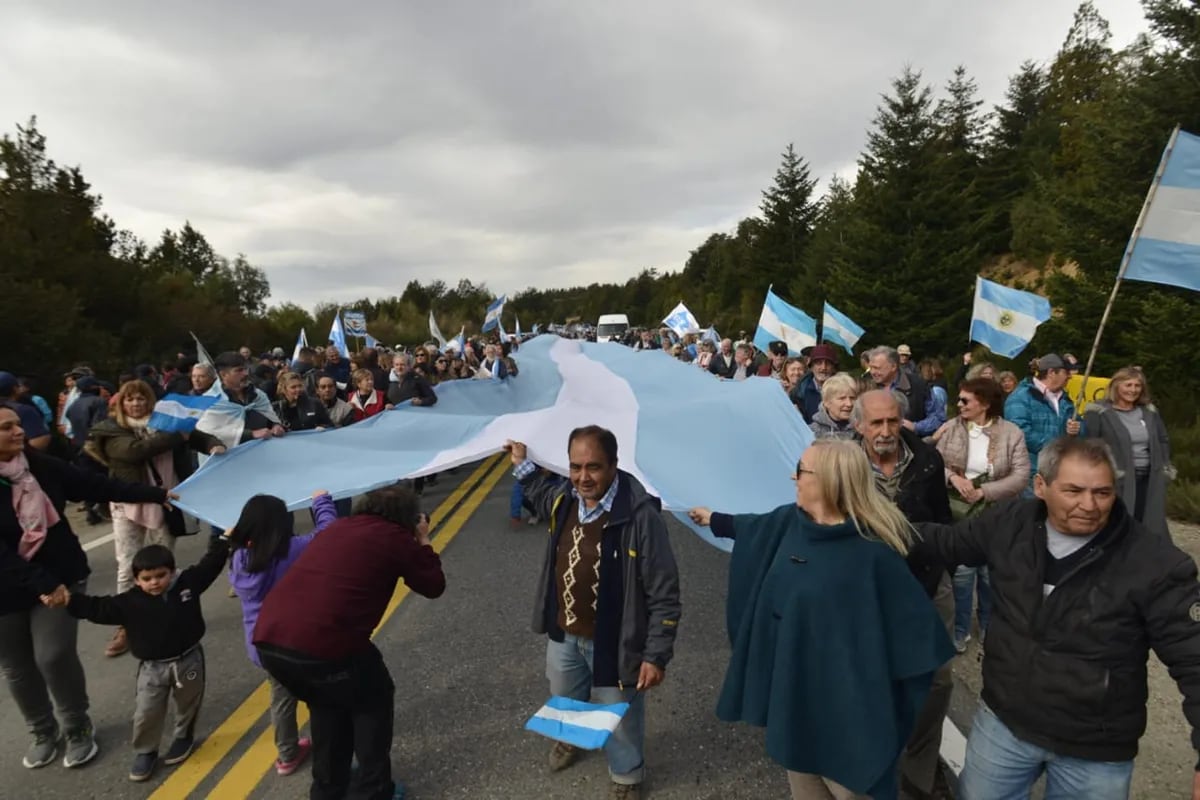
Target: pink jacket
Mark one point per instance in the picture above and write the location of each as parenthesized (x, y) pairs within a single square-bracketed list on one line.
[(1008, 458)]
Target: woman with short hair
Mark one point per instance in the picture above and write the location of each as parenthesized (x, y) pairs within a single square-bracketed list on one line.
[(366, 400), (1130, 424), (832, 420), (835, 643)]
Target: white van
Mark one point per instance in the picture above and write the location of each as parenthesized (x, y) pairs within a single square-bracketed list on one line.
[(611, 327)]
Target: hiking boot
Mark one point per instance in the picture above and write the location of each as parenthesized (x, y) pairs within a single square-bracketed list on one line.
[(43, 750), (303, 748), (81, 747), (179, 750), (118, 644), (143, 766), (562, 755), (625, 791)]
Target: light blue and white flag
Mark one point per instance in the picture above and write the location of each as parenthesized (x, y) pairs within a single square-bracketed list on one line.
[(202, 356), (710, 335), (370, 341), (836, 327), (337, 335), (226, 419), (179, 413), (1167, 249), (500, 329), (537, 328), (682, 321), (301, 341), (584, 725), (1004, 320), (783, 322), (436, 332), (654, 406), (355, 322), (492, 318), (517, 320)]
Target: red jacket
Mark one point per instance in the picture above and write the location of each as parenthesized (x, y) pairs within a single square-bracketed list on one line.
[(334, 595), (373, 406)]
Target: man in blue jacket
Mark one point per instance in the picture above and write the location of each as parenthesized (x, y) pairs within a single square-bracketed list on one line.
[(1040, 407)]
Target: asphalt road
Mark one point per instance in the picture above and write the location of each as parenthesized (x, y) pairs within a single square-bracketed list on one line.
[(468, 674)]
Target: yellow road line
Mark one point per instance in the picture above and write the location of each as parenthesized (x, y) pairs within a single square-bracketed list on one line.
[(217, 745)]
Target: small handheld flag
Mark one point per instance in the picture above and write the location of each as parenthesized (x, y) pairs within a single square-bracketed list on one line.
[(1004, 320), (337, 336), (301, 342), (682, 321), (839, 329), (783, 322), (179, 413), (584, 725), (436, 332), (492, 318)]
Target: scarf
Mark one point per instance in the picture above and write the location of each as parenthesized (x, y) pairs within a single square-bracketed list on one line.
[(32, 507)]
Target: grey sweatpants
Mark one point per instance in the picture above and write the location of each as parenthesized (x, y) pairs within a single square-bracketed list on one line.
[(283, 719), (180, 680), (39, 659)]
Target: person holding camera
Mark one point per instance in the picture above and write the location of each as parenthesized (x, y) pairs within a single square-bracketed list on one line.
[(313, 635)]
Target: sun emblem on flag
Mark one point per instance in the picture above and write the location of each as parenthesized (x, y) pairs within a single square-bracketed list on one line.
[(1006, 320)]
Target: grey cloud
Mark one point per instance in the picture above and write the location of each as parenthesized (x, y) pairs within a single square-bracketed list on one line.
[(350, 148)]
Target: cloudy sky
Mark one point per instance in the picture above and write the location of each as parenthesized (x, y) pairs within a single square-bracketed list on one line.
[(348, 148)]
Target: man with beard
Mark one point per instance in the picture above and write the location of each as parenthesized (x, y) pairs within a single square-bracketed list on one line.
[(822, 365), (911, 474)]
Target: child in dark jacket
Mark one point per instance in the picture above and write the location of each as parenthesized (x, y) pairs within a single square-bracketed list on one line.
[(264, 548), (161, 615)]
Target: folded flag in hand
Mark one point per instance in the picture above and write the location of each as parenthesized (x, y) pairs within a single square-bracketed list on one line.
[(179, 413), (584, 725)]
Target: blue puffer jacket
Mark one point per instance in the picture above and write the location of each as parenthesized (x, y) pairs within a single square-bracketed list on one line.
[(1028, 409)]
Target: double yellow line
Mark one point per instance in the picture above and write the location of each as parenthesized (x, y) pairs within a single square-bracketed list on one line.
[(257, 760)]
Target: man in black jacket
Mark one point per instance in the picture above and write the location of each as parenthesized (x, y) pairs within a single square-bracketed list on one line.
[(912, 475), (1081, 593)]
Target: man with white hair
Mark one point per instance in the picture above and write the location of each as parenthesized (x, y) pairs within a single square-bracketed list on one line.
[(923, 414), (722, 363)]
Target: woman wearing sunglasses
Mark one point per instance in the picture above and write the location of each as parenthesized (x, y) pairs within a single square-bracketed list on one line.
[(986, 461)]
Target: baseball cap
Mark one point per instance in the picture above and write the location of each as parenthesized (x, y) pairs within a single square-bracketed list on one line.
[(778, 348), (1050, 361), (77, 372), (904, 350), (278, 352)]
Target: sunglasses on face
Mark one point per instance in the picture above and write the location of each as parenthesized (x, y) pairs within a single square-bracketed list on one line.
[(962, 401)]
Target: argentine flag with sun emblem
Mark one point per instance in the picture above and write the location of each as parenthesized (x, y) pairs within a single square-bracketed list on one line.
[(1004, 320)]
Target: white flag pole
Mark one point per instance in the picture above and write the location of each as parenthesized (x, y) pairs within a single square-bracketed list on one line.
[(1112, 297)]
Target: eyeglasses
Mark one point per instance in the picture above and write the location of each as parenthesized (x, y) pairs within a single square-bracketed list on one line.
[(440, 361), (803, 471), (962, 401)]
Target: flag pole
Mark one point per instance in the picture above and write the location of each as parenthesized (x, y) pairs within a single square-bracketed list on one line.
[(1112, 297)]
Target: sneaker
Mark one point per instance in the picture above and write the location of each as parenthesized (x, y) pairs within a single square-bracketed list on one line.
[(625, 791), (143, 766), (960, 645), (81, 747), (303, 748), (179, 750), (562, 755), (118, 644), (534, 520), (43, 750)]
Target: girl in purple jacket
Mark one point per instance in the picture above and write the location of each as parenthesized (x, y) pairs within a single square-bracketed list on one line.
[(264, 548)]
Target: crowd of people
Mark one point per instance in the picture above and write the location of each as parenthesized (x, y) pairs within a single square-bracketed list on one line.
[(918, 524)]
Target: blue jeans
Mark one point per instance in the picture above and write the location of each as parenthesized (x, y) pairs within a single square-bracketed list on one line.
[(999, 766), (569, 668), (516, 500), (966, 581)]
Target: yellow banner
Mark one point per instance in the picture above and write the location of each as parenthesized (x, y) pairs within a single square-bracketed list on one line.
[(1097, 389)]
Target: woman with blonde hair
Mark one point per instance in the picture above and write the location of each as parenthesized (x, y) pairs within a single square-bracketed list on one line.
[(835, 643), (1133, 429), (832, 420), (135, 453)]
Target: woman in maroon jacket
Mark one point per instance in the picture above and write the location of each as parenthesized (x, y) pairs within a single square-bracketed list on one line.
[(323, 655), (40, 555)]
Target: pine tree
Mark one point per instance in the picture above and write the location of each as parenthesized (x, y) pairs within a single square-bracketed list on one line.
[(788, 214)]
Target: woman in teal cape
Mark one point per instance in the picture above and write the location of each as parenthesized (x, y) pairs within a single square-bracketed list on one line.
[(834, 642)]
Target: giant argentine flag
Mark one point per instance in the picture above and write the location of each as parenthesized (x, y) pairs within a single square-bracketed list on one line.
[(1167, 249), (786, 323), (654, 406), (1004, 320)]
